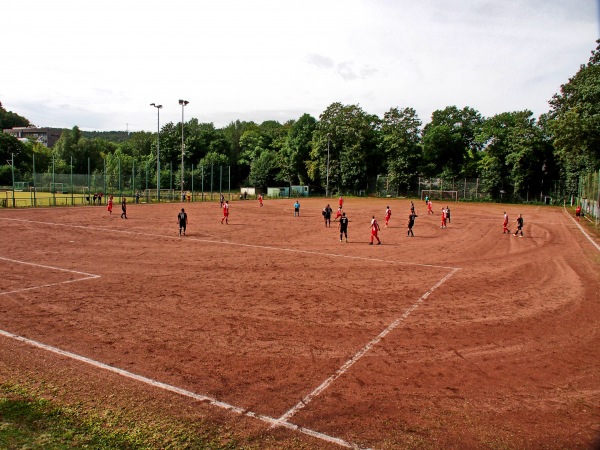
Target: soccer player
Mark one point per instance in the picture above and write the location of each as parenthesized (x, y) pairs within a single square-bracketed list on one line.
[(222, 199), (338, 214), (411, 223), (110, 205), (443, 218), (225, 213), (297, 209), (412, 207), (260, 199), (388, 214), (183, 220), (124, 208), (578, 212), (374, 230), (447, 214), (341, 202), (327, 215), (505, 224), (343, 227), (430, 207), (519, 222)]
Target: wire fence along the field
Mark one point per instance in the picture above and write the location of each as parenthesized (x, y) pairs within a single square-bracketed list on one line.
[(589, 194), (203, 183), (453, 188)]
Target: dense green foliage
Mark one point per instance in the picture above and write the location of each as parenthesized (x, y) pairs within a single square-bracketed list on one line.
[(346, 148)]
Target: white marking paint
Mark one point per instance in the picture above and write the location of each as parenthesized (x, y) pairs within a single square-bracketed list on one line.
[(167, 387), (86, 276), (344, 368), (208, 241), (589, 238)]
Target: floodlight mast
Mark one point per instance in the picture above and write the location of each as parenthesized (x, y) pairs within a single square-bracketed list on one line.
[(158, 107), (182, 103)]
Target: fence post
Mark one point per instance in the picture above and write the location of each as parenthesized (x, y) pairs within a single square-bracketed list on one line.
[(53, 186), (34, 186), (120, 194), (147, 193), (72, 199), (12, 165), (103, 177), (192, 182)]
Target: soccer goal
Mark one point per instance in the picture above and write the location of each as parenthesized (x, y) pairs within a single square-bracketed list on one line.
[(434, 194), (56, 187)]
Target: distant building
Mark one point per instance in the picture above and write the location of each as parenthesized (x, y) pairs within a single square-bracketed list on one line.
[(46, 136)]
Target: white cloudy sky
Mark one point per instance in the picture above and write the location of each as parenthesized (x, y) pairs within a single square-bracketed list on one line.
[(99, 64)]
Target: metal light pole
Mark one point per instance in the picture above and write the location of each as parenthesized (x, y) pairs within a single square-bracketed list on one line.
[(327, 187), (158, 107), (182, 103)]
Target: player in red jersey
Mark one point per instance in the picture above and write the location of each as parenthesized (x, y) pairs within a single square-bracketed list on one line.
[(260, 199), (430, 208), (225, 212), (110, 204), (443, 218), (505, 224), (374, 230), (341, 202), (338, 214), (388, 214)]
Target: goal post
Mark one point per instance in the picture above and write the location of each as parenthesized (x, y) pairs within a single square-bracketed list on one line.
[(436, 194), (56, 188)]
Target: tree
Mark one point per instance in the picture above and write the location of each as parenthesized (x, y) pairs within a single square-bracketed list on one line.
[(295, 152), (262, 169), (516, 156), (351, 136), (399, 141), (9, 119), (449, 142), (9, 146), (574, 122)]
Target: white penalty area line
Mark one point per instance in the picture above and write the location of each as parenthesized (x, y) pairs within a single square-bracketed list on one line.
[(589, 238), (86, 276), (344, 368), (180, 391), (209, 241)]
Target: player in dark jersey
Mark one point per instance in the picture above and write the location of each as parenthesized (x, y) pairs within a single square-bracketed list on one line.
[(124, 208), (519, 222), (411, 222), (183, 220), (343, 227)]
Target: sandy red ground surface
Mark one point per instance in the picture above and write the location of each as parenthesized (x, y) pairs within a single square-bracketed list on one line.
[(462, 337)]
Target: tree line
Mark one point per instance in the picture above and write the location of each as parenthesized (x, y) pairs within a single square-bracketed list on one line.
[(346, 147)]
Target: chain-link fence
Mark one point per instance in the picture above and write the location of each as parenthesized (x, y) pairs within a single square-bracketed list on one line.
[(589, 195), (53, 188)]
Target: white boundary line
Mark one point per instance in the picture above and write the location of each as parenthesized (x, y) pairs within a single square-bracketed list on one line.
[(282, 421), (87, 276), (344, 368), (180, 391), (589, 238), (209, 241)]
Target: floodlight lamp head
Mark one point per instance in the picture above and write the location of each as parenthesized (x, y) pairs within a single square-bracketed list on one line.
[(183, 102)]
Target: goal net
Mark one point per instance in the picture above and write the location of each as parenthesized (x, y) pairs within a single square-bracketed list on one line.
[(56, 187), (434, 194)]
